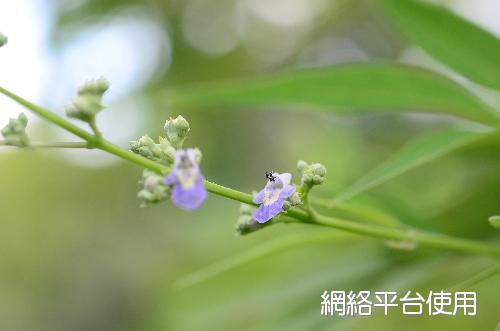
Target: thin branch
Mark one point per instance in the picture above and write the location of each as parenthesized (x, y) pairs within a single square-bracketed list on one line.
[(64, 144), (382, 232)]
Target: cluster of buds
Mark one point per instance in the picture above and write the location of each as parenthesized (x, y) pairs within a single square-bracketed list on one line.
[(176, 131), (161, 152), (312, 174), (153, 190), (184, 182), (15, 132), (88, 101)]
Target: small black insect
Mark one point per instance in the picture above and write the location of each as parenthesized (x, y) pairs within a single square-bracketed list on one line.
[(270, 176)]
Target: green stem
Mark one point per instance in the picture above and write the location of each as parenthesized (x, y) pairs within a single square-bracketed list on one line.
[(367, 213), (425, 238), (421, 237), (50, 116), (64, 144), (94, 128)]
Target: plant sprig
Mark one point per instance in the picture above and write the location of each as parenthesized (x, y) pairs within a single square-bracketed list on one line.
[(423, 238)]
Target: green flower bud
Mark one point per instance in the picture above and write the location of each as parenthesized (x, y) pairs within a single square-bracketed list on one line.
[(312, 174), (3, 39), (246, 209), (302, 165), (176, 131), (295, 199), (95, 87), (154, 189), (88, 101), (246, 224), (15, 131), (292, 201), (147, 147)]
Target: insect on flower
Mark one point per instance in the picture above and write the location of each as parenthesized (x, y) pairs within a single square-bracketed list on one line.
[(273, 195), (270, 176)]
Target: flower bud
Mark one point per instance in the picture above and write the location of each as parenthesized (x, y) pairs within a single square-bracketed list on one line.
[(295, 199), (3, 39), (147, 147), (154, 189), (15, 131), (246, 224), (292, 201), (176, 131), (88, 101), (302, 165), (312, 174)]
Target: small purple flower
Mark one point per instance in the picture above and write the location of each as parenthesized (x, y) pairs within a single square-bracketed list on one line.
[(188, 190), (271, 198)]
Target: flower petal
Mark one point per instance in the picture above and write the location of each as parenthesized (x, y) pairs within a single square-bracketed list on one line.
[(287, 192), (286, 178), (265, 213), (171, 178), (192, 198), (259, 197)]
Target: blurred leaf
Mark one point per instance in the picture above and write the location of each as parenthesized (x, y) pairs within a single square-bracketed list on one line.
[(365, 211), (461, 45), (478, 278), (421, 150), (349, 88), (255, 253)]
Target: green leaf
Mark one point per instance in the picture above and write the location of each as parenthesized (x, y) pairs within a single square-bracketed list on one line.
[(419, 151), (255, 253), (461, 45), (349, 88), (478, 278)]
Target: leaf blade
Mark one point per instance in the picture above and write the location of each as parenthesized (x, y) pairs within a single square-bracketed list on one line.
[(454, 41), (421, 150), (348, 88)]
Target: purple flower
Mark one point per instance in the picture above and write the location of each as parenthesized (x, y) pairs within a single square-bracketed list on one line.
[(271, 198), (188, 191)]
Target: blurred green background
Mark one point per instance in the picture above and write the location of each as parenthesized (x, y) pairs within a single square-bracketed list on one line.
[(77, 252)]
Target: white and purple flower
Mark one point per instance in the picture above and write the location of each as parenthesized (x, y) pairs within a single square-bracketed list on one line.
[(271, 198), (188, 191)]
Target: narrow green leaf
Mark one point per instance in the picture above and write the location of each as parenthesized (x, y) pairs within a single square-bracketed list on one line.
[(478, 278), (255, 253), (461, 45), (419, 151), (362, 87)]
